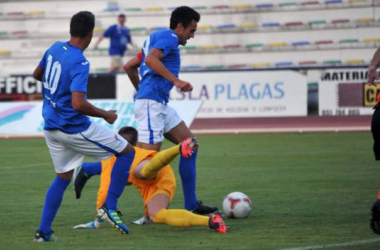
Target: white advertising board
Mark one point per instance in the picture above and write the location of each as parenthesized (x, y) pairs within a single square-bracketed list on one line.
[(239, 94), (25, 118), (345, 92)]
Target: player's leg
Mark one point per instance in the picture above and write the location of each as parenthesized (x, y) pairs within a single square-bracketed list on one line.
[(160, 214), (91, 168), (187, 166), (157, 199), (115, 64), (149, 124), (375, 129), (150, 168), (105, 180), (100, 142), (119, 176), (64, 161), (83, 174)]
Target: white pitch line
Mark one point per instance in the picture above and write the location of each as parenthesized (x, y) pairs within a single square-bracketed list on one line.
[(245, 131), (26, 166), (345, 244), (281, 130)]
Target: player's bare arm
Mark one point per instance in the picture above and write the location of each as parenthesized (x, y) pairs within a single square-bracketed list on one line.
[(131, 68), (83, 106), (38, 73), (372, 69), (153, 60), (99, 41)]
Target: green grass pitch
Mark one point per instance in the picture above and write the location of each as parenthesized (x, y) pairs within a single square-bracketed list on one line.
[(307, 189)]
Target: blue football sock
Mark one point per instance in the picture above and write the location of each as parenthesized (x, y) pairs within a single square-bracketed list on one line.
[(92, 168), (187, 171), (53, 200), (119, 178)]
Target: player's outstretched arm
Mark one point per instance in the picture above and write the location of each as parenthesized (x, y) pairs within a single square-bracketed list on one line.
[(153, 60), (99, 41), (131, 69), (372, 69), (38, 73), (81, 105)]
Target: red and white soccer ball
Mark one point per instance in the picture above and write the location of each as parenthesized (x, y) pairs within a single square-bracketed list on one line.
[(237, 205)]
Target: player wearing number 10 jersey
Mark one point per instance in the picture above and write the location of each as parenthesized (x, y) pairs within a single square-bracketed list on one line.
[(69, 133)]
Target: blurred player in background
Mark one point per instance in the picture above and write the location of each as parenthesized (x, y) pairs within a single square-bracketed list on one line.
[(120, 37), (69, 133), (159, 69), (373, 75), (155, 180)]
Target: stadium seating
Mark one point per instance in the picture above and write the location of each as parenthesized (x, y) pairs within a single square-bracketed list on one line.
[(264, 6), (283, 64), (214, 67), (307, 63), (237, 66), (191, 68), (242, 6), (220, 7), (133, 9), (354, 61), (287, 4), (333, 1), (261, 65), (332, 62), (311, 32), (271, 25)]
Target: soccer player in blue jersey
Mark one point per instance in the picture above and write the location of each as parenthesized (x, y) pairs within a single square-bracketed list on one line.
[(159, 69), (120, 37), (69, 133)]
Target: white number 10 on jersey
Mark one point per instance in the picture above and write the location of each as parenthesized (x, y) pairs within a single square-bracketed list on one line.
[(52, 75)]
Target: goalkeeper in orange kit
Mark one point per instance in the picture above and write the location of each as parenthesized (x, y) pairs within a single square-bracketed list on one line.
[(151, 174)]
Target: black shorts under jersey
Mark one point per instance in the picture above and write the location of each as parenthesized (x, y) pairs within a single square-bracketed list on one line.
[(375, 129)]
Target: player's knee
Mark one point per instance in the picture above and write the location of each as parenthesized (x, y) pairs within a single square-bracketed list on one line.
[(67, 175), (137, 174)]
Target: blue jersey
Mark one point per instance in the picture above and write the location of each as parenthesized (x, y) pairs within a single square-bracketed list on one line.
[(153, 86), (65, 70), (119, 37)]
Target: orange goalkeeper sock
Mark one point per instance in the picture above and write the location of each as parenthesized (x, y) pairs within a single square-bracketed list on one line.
[(159, 161), (180, 218)]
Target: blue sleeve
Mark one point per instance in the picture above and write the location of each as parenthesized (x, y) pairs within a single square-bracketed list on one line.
[(42, 63), (129, 36), (167, 43), (79, 76), (108, 31)]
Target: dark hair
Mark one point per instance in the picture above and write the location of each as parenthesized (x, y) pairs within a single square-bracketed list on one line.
[(132, 134), (82, 23), (121, 15), (183, 15)]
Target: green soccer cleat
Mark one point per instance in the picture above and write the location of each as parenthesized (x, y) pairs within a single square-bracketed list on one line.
[(113, 217)]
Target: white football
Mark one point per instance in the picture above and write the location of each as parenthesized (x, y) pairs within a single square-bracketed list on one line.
[(237, 205)]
